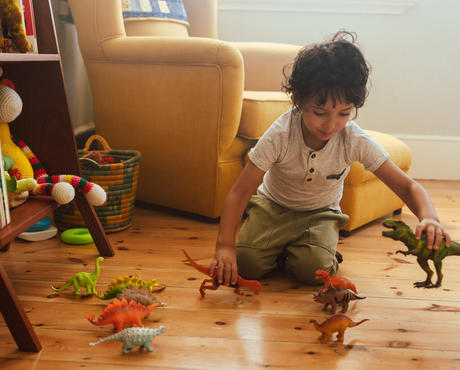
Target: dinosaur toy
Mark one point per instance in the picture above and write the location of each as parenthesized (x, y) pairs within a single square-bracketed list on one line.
[(334, 281), (253, 285), (402, 232), (83, 280), (336, 323), (124, 282), (336, 296), (140, 295), (27, 165), (122, 312), (11, 17), (131, 337)]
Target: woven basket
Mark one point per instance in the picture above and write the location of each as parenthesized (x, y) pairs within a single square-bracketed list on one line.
[(118, 179)]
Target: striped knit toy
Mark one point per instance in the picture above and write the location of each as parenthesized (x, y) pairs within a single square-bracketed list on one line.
[(26, 164)]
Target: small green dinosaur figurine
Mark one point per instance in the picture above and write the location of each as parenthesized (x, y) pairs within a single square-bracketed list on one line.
[(83, 280), (402, 232)]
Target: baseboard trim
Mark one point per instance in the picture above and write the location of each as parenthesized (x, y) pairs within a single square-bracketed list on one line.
[(434, 157)]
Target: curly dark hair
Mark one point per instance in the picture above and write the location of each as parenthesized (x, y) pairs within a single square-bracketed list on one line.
[(335, 68)]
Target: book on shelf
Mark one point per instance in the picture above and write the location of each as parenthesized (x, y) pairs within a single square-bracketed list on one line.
[(25, 35), (29, 22), (5, 217)]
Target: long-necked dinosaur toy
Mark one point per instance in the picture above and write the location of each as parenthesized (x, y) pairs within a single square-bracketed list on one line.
[(254, 285), (402, 232)]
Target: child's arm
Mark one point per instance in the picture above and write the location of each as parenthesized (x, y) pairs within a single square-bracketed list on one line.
[(418, 201), (234, 205)]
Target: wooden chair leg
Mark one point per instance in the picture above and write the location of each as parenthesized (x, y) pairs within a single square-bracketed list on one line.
[(94, 226), (5, 248), (15, 317)]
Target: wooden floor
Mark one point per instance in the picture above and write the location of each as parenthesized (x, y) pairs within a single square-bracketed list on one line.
[(408, 327)]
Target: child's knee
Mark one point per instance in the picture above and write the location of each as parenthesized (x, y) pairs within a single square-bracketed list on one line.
[(304, 269), (251, 264)]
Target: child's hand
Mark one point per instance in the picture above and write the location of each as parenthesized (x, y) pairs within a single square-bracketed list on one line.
[(434, 233), (225, 263)]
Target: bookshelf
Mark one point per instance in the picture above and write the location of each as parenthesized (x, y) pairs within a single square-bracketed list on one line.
[(45, 126)]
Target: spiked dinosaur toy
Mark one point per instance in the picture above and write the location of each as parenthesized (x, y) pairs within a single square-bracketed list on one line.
[(122, 283), (336, 296), (122, 312), (134, 337), (83, 280), (402, 232), (334, 281), (336, 323), (253, 285)]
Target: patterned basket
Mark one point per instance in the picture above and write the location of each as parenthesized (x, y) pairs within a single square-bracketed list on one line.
[(118, 179)]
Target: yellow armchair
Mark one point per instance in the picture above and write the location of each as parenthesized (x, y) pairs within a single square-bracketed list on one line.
[(194, 105), (178, 99)]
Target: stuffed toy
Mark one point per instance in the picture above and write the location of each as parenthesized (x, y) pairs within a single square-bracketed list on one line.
[(26, 164), (11, 19)]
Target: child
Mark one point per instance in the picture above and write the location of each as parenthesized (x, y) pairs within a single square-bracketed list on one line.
[(303, 159)]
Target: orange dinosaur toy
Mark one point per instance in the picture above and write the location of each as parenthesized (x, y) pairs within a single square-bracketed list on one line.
[(120, 312), (336, 323), (254, 285), (335, 281)]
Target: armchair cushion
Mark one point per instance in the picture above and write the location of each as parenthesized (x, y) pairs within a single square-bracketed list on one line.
[(260, 110)]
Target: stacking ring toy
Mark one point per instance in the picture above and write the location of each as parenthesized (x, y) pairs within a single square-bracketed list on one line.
[(43, 224), (78, 236)]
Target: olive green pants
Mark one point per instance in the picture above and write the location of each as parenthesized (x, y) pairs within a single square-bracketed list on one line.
[(306, 240)]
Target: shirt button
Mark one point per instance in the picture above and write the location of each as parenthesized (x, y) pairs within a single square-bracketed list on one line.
[(308, 179), (313, 155), (312, 170)]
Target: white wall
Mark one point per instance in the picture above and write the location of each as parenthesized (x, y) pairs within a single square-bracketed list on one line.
[(415, 59)]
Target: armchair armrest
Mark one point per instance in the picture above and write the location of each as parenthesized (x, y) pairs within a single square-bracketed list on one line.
[(264, 62), (193, 71), (174, 50)]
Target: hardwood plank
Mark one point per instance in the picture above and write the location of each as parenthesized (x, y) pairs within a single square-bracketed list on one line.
[(408, 327)]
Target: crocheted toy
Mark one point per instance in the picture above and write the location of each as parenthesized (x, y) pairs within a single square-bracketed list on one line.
[(27, 165), (122, 312), (14, 185), (140, 295), (131, 337), (121, 283), (11, 19), (84, 280)]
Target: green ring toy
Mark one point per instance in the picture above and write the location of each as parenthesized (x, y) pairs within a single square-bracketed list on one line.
[(77, 236)]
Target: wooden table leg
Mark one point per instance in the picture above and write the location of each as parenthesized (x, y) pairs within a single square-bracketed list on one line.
[(94, 226), (15, 317)]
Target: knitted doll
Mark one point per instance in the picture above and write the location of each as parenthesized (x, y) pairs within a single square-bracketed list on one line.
[(26, 164)]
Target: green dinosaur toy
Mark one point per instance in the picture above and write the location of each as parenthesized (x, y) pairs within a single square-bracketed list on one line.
[(402, 232), (83, 280), (124, 282)]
